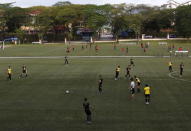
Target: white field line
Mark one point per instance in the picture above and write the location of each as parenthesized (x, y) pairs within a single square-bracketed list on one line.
[(57, 57), (173, 77), (6, 46), (159, 79)]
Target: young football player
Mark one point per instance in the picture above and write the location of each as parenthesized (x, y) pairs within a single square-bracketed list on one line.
[(147, 92)]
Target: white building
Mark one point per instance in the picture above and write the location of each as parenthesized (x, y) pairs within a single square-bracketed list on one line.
[(174, 4)]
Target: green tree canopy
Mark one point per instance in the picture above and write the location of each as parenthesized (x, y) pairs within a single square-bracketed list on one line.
[(183, 20)]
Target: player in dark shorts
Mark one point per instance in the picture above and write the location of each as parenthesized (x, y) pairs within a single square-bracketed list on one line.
[(147, 92), (9, 72), (66, 60), (128, 71), (132, 62), (181, 69), (24, 72), (170, 66), (117, 73), (100, 84), (86, 106)]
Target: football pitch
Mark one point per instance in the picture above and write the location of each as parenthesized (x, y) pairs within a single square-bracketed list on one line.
[(39, 102)]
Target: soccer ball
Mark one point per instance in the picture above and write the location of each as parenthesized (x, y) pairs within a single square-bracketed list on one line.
[(67, 91)]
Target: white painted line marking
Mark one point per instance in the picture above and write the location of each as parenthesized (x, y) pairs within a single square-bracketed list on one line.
[(58, 57), (171, 76)]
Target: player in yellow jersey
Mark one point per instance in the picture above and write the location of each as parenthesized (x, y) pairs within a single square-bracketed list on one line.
[(117, 72), (138, 83), (147, 92), (9, 72), (170, 66)]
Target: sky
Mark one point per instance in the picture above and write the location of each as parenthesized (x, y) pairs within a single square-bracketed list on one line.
[(28, 3)]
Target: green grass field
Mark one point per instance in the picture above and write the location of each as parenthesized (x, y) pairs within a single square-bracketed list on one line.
[(39, 102), (104, 49)]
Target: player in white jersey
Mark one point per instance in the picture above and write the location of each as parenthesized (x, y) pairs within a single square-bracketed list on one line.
[(132, 87)]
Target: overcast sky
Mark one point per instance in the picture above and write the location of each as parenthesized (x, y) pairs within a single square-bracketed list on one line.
[(28, 3)]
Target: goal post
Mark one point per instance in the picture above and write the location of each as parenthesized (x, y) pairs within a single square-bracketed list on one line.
[(181, 53)]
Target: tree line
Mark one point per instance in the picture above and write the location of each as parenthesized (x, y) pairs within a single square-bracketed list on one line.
[(67, 20)]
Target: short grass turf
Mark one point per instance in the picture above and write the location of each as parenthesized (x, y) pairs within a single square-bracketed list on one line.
[(104, 49), (39, 102)]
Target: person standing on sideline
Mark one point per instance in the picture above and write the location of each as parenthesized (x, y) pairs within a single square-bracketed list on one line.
[(142, 45), (181, 69), (100, 84), (67, 50), (117, 73), (147, 92), (127, 49), (9, 72), (96, 49), (82, 47), (170, 66), (73, 48), (24, 71), (132, 88), (66, 60), (114, 46), (144, 49), (86, 106)]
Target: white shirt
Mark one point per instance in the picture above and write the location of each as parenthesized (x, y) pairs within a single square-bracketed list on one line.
[(132, 84)]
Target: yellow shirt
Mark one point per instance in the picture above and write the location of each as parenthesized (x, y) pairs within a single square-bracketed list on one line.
[(138, 80), (9, 71), (118, 69), (147, 90), (170, 63)]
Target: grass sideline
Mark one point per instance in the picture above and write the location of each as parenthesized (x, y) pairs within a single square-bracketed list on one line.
[(104, 50)]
